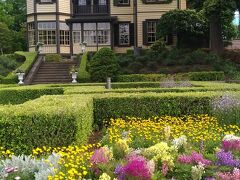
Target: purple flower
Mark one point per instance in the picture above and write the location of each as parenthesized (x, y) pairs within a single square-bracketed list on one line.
[(120, 172), (227, 159)]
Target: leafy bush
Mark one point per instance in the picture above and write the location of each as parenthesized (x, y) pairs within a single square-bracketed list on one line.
[(158, 47), (49, 121), (141, 77), (196, 57), (135, 66), (53, 58), (21, 95), (83, 75), (148, 105), (207, 76), (193, 76), (30, 58), (104, 64)]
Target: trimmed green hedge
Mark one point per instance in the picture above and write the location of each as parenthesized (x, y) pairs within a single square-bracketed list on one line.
[(21, 95), (141, 77), (83, 75), (133, 88), (151, 104), (30, 58), (207, 76), (192, 76), (53, 58), (48, 121)]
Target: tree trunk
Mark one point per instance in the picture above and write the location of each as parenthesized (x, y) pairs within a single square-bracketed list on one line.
[(216, 39)]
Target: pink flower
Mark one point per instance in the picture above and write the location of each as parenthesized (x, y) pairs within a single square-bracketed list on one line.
[(100, 156), (194, 158), (164, 169)]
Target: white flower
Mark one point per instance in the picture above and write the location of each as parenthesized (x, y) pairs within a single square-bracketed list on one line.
[(231, 137), (178, 142)]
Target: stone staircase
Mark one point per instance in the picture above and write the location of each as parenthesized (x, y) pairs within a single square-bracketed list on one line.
[(53, 72)]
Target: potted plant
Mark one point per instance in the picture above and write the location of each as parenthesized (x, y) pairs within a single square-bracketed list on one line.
[(74, 72), (20, 73)]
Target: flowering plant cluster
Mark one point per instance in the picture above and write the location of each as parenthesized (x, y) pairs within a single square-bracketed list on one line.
[(190, 147)]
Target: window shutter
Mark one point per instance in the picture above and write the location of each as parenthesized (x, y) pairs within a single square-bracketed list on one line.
[(132, 34), (145, 38), (116, 34), (115, 2), (144, 1), (37, 1)]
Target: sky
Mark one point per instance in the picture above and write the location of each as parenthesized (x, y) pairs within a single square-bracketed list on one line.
[(236, 19)]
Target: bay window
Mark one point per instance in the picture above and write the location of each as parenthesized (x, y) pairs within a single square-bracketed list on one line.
[(47, 33)]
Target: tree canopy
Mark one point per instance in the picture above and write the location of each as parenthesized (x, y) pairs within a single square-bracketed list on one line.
[(189, 26), (13, 20)]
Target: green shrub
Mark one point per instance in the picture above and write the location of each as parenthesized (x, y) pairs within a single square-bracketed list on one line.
[(53, 58), (141, 77), (135, 67), (158, 47), (53, 121), (83, 75), (206, 76), (21, 95), (30, 58), (148, 105), (193, 76), (104, 64), (196, 57)]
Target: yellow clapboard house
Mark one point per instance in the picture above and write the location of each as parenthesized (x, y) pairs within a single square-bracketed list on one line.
[(62, 25)]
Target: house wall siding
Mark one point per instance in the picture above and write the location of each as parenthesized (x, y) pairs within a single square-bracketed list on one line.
[(30, 6), (64, 6), (46, 8)]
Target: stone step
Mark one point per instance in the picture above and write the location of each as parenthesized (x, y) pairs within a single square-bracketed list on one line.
[(54, 72)]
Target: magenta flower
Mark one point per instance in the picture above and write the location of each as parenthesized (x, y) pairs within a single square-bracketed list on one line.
[(194, 158), (136, 167), (231, 145)]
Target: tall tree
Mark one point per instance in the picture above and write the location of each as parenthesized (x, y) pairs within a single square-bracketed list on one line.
[(13, 14), (5, 39), (218, 12)]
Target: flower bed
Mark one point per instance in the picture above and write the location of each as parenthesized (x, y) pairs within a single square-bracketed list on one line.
[(182, 148)]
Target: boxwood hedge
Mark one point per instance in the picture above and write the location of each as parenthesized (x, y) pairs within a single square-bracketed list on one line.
[(152, 104), (192, 76), (48, 121), (21, 94)]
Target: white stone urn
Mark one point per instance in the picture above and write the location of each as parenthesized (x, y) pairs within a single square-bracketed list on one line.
[(20, 78), (74, 77)]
